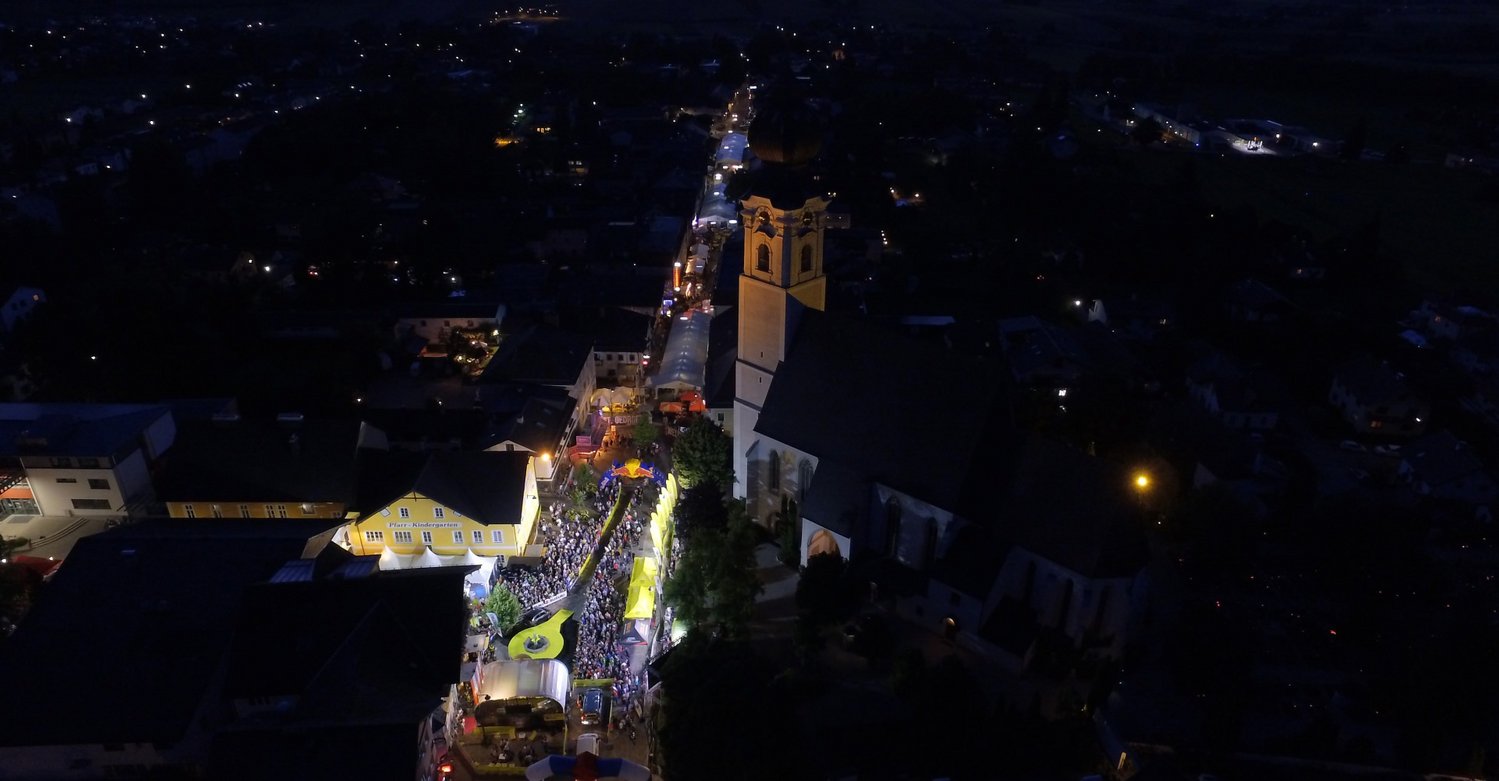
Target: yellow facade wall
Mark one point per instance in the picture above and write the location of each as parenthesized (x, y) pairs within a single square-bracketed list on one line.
[(389, 528), (256, 509)]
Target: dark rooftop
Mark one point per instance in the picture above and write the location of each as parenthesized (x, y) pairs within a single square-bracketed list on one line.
[(483, 485), (142, 613), (540, 354), (887, 407), (261, 460)]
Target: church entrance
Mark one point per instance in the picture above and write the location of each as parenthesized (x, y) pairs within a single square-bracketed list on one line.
[(823, 542)]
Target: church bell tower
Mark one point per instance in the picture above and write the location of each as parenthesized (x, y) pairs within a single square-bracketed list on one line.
[(784, 218)]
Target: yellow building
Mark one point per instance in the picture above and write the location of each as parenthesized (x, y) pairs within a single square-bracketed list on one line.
[(457, 502), (226, 467)]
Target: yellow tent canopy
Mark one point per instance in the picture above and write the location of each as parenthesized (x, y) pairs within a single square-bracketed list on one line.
[(641, 601)]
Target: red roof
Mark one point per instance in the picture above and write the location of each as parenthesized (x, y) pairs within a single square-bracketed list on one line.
[(42, 567)]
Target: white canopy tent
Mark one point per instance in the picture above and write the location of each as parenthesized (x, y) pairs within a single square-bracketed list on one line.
[(509, 679), (684, 360)]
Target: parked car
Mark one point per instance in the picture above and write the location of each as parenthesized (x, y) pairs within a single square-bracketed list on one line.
[(528, 619), (592, 707)]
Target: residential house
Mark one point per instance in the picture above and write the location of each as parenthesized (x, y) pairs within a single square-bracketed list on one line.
[(450, 503), (1446, 320), (18, 306), (540, 424), (1375, 399), (1441, 467), (286, 468), (1239, 400), (1042, 355), (619, 338), (1254, 302), (81, 459), (1136, 314), (434, 321), (544, 355)]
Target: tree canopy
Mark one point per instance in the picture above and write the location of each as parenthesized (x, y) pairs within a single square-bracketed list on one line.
[(504, 605), (714, 584), (702, 456)]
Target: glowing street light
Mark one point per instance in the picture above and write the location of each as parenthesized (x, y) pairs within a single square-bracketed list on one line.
[(1142, 481)]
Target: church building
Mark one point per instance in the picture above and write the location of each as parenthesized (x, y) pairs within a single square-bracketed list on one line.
[(900, 455)]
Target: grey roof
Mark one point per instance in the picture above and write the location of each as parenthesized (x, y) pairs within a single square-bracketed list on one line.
[(1440, 458), (723, 349), (261, 461), (538, 425), (483, 485), (1074, 510), (540, 354), (140, 615), (1035, 348), (96, 430), (900, 412), (614, 328), (1370, 381)]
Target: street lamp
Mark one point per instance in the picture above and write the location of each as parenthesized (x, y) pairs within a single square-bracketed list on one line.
[(1142, 481)]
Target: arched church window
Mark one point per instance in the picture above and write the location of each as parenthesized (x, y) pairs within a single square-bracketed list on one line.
[(892, 526), (807, 259), (773, 473), (803, 480), (762, 258)]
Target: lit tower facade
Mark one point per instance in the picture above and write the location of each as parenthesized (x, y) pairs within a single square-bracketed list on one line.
[(784, 215)]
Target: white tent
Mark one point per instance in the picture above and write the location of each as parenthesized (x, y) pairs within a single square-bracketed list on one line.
[(391, 561), (525, 678), (427, 559), (684, 360)]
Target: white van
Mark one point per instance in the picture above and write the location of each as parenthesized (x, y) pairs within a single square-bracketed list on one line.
[(589, 742)]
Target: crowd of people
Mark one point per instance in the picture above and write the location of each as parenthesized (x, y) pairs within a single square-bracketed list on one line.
[(572, 532)]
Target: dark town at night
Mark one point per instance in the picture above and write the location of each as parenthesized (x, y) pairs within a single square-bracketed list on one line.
[(742, 390)]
